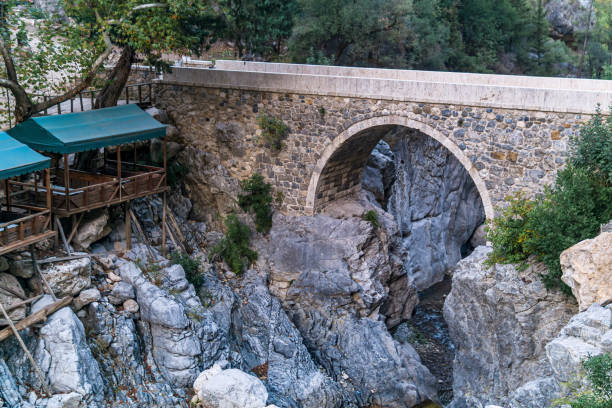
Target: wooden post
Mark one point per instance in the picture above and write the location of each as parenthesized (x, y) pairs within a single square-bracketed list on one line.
[(128, 227), (7, 186), (67, 182), (119, 168), (36, 184), (164, 225), (62, 235), (48, 186), (165, 161), (42, 277)]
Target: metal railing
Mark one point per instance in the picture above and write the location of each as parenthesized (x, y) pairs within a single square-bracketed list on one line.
[(140, 93)]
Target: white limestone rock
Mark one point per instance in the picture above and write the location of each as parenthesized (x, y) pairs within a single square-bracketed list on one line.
[(68, 278), (86, 297), (230, 389), (587, 269), (93, 228), (8, 297), (64, 356)]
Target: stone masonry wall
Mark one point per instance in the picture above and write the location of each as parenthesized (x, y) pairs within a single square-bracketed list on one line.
[(503, 150)]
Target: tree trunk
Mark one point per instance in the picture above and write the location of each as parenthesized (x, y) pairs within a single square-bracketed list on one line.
[(116, 80)]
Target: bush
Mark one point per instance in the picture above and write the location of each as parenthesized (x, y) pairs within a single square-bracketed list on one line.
[(592, 150), (191, 267), (257, 198), (234, 248), (570, 211), (599, 374), (371, 217), (274, 131)]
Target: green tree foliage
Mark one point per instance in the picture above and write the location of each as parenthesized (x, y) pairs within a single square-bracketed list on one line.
[(257, 197), (350, 32), (258, 27), (234, 248), (568, 212), (191, 266)]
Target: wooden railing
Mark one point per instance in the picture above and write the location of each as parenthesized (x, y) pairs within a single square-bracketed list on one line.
[(92, 191), (86, 100), (25, 230)]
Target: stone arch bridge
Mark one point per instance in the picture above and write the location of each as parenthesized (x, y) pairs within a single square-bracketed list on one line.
[(510, 132)]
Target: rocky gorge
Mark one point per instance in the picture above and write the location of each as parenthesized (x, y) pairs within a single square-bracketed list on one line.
[(327, 317)]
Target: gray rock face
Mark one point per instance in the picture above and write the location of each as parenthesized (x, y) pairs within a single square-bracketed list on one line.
[(267, 340), (64, 357), (500, 320), (568, 17), (434, 201), (331, 276), (176, 346), (587, 334)]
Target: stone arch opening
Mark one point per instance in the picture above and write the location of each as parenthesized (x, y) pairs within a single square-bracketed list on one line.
[(338, 170)]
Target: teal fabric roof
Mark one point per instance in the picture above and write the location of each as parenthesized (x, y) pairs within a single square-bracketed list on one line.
[(82, 131), (17, 159)]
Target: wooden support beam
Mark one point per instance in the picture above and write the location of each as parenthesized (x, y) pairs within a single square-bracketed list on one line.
[(22, 303), (119, 169), (128, 227), (39, 272), (62, 235), (142, 234), (75, 226), (67, 182), (25, 349), (48, 186), (164, 224), (34, 318)]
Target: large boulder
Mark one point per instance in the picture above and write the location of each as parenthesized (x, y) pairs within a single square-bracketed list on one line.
[(176, 346), (68, 278), (63, 355), (11, 292), (587, 269), (500, 319), (231, 388), (93, 228), (587, 334)]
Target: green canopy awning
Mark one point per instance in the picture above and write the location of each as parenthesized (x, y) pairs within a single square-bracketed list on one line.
[(82, 131), (17, 159)]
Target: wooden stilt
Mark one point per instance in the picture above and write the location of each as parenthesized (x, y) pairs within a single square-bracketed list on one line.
[(67, 182), (119, 169), (75, 227), (142, 235), (48, 186), (164, 224), (128, 227), (25, 349), (62, 235), (39, 272), (22, 303), (8, 194)]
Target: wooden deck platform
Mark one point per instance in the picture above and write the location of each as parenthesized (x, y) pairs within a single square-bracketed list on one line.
[(19, 231)]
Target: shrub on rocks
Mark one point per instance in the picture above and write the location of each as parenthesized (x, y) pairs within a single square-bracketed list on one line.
[(274, 131), (257, 197), (569, 212), (234, 248)]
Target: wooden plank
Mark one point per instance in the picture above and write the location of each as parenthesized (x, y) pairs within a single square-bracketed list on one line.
[(39, 316), (22, 303), (75, 227), (61, 259)]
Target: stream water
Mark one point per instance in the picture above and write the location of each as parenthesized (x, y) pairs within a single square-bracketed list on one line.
[(428, 333)]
